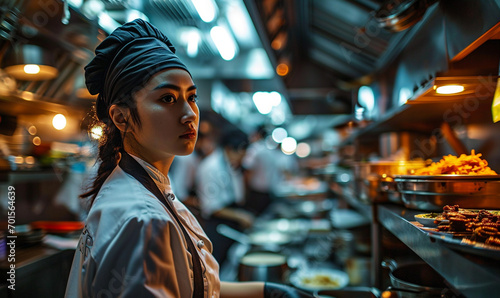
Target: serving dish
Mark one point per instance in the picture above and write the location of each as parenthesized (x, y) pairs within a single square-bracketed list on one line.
[(315, 279), (465, 245), (431, 193), (427, 219)]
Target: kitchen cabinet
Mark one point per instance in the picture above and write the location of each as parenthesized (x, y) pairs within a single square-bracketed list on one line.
[(40, 272)]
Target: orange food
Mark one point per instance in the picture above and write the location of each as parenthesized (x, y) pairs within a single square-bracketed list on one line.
[(464, 165)]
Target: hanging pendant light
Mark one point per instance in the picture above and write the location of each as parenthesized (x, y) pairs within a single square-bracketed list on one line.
[(30, 63)]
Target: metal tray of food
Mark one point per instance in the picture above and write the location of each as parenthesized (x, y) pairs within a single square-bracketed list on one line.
[(431, 193)]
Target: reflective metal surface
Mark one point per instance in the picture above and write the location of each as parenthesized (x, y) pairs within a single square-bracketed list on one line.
[(473, 277), (433, 192)]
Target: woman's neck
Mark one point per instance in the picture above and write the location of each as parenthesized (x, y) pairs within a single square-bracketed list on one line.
[(161, 163)]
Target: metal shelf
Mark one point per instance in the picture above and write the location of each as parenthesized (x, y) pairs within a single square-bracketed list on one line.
[(472, 275)]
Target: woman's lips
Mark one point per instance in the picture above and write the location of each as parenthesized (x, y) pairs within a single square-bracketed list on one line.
[(189, 135)]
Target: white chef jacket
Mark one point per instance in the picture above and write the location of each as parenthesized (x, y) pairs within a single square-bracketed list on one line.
[(218, 185), (133, 247)]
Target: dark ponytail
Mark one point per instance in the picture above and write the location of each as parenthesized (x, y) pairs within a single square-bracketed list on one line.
[(110, 145), (109, 154)]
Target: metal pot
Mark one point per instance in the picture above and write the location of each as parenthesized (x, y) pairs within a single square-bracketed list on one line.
[(415, 280), (368, 176), (263, 266)]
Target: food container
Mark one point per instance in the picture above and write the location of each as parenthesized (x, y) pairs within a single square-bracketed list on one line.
[(368, 175), (432, 193), (263, 266)]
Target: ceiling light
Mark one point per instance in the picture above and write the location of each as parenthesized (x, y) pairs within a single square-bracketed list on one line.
[(366, 98), (133, 14), (107, 22), (279, 134), (289, 145), (207, 9), (449, 89), (30, 63), (303, 150), (224, 41), (282, 69), (59, 121), (240, 22), (192, 38)]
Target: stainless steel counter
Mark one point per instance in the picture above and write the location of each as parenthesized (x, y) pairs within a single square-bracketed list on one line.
[(472, 275)]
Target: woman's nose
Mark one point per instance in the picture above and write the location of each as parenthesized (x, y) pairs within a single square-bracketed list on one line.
[(188, 113)]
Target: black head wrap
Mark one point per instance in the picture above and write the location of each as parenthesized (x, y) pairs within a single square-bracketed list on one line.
[(126, 60)]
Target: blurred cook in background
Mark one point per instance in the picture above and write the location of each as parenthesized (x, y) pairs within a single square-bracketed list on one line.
[(221, 190), (266, 167)]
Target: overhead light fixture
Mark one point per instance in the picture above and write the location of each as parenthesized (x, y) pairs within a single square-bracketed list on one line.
[(207, 9), (282, 69), (303, 150), (289, 146), (449, 89), (191, 38), (59, 121), (224, 42), (30, 63), (279, 134)]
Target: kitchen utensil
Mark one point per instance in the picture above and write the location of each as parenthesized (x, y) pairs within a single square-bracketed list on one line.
[(315, 279), (368, 175), (427, 219), (263, 266), (416, 279), (433, 192)]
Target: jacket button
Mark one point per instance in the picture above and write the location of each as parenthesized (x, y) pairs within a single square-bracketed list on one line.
[(200, 243)]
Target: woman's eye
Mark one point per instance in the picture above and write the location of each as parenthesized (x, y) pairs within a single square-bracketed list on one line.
[(193, 98), (168, 98)]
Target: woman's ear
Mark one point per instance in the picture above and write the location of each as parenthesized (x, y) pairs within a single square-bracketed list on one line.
[(120, 117)]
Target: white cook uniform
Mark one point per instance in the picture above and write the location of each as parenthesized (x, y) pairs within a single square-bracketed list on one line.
[(133, 247), (218, 185)]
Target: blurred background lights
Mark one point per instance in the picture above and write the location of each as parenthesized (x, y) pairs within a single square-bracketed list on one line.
[(31, 68), (96, 132), (266, 101), (32, 130), (449, 89), (303, 150), (59, 121), (207, 9), (279, 134), (37, 141), (289, 145)]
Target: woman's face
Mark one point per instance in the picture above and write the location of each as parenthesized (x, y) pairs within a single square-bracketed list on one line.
[(169, 116)]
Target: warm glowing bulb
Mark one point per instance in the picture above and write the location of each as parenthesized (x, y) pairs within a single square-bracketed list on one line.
[(31, 68), (282, 69), (37, 141), (449, 89), (32, 130), (289, 145), (96, 132), (59, 121)]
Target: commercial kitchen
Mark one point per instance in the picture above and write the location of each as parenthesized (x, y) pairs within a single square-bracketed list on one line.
[(381, 115)]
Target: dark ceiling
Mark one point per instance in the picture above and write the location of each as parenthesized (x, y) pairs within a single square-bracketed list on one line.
[(331, 46)]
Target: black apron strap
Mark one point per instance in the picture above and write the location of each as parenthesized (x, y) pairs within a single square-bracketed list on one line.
[(133, 168)]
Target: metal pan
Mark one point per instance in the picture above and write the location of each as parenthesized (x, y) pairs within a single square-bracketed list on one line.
[(431, 193)]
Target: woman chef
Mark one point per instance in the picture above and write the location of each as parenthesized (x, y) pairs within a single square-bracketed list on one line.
[(139, 241)]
